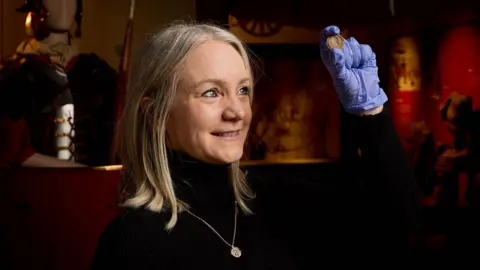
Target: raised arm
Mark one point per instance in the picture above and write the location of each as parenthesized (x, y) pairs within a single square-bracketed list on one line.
[(341, 214), (354, 71)]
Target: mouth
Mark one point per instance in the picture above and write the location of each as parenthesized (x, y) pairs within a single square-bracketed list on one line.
[(226, 134)]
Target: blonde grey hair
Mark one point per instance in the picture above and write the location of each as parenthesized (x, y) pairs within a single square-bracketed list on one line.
[(141, 132)]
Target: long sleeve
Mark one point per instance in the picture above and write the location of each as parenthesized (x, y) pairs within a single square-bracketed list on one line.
[(387, 169)]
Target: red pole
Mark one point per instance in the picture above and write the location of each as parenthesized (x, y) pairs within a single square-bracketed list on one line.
[(123, 70)]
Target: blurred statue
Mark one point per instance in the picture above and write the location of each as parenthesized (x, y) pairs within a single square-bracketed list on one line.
[(438, 167), (56, 104), (462, 156)]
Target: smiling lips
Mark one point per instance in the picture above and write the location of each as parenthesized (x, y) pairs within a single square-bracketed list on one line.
[(228, 135)]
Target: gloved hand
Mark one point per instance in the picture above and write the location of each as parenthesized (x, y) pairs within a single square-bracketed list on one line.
[(354, 72)]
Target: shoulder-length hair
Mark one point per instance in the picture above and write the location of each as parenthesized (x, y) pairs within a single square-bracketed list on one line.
[(141, 132)]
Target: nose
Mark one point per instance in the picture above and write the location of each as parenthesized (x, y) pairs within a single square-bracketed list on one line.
[(234, 111)]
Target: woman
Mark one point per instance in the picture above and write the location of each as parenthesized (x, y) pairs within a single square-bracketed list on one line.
[(188, 204)]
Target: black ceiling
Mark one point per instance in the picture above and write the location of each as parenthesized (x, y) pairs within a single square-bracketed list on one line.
[(316, 14)]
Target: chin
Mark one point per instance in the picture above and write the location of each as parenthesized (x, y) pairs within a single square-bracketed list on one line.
[(226, 157)]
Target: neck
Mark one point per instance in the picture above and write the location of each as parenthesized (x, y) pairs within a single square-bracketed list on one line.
[(200, 184), (57, 38), (58, 46)]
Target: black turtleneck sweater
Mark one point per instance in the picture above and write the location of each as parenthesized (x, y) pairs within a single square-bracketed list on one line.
[(294, 224)]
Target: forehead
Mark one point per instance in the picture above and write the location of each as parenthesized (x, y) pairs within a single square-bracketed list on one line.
[(214, 60)]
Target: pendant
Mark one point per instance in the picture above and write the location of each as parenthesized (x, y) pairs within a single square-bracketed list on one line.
[(236, 252)]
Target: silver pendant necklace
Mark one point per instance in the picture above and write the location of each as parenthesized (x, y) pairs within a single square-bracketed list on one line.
[(234, 251)]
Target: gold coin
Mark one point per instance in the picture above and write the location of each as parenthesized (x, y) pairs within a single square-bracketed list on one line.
[(335, 42)]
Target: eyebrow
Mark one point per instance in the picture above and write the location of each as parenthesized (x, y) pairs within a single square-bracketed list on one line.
[(217, 81)]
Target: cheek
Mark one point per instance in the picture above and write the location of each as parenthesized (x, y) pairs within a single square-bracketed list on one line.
[(248, 114), (194, 121), (247, 108)]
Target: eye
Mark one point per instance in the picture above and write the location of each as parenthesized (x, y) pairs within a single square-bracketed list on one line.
[(244, 90), (210, 93)]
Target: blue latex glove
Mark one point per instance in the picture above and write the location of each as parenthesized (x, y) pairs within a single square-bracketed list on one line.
[(354, 72)]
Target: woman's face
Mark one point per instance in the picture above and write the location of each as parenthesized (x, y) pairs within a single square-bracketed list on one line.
[(211, 113)]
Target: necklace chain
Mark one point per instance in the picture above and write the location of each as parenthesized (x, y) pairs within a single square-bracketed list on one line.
[(235, 251)]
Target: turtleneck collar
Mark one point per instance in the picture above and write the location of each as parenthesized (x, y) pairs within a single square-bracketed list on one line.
[(200, 184)]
